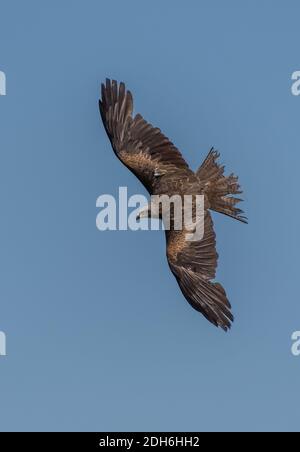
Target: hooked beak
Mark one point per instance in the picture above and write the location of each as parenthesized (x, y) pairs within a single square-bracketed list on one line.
[(143, 213)]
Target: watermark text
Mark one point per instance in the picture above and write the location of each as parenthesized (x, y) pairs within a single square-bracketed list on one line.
[(2, 344), (2, 84), (177, 212), (296, 85), (296, 343)]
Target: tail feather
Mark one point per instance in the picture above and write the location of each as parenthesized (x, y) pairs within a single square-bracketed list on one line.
[(219, 187)]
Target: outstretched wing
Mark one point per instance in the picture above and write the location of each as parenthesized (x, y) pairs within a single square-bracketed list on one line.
[(194, 265), (140, 146)]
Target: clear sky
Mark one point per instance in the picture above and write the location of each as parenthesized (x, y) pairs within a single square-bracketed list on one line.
[(99, 336)]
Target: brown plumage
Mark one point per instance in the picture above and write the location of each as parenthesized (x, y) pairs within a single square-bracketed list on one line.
[(161, 168)]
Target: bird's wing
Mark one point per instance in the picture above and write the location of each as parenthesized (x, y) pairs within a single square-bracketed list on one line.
[(140, 146), (194, 265)]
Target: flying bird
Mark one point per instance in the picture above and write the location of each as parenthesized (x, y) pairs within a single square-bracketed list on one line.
[(159, 165)]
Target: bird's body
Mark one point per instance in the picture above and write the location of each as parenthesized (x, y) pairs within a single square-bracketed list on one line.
[(161, 168)]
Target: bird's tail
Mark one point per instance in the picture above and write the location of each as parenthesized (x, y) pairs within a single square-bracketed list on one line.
[(219, 187)]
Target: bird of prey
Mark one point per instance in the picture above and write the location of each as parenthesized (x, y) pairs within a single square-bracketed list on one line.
[(159, 165)]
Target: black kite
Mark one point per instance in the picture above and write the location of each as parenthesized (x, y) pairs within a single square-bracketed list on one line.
[(161, 168)]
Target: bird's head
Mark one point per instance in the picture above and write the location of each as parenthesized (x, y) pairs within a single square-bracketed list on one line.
[(149, 211), (144, 212)]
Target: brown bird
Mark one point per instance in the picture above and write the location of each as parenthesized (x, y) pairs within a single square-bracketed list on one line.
[(159, 165)]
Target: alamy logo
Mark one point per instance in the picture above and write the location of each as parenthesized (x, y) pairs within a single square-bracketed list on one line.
[(2, 344), (2, 84), (296, 343), (296, 85), (176, 212)]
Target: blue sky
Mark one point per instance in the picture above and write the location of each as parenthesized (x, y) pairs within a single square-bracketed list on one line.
[(99, 336)]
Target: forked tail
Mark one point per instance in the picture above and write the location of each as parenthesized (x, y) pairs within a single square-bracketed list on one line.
[(219, 187)]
